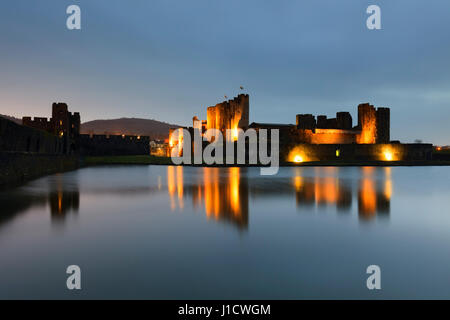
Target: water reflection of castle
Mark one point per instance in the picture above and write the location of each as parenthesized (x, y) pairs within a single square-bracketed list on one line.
[(224, 193), (224, 197), (373, 194), (60, 201)]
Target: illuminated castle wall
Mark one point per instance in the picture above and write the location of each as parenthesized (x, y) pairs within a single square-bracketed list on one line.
[(373, 127), (231, 114), (314, 139)]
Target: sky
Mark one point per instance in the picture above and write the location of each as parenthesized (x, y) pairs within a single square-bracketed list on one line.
[(169, 60)]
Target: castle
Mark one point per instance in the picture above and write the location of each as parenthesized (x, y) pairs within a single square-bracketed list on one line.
[(373, 127), (317, 139), (231, 114), (65, 126)]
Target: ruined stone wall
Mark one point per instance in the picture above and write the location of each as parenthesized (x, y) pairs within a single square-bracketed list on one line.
[(61, 123), (113, 145), (332, 136), (229, 114), (17, 138), (357, 152), (367, 122), (374, 124), (305, 121), (38, 123), (18, 167), (344, 120), (211, 118), (383, 125)]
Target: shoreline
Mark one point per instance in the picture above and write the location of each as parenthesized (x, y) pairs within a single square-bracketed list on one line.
[(153, 160), (20, 168)]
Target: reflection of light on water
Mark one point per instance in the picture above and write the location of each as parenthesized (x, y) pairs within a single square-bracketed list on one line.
[(223, 197), (171, 180), (180, 186), (171, 185), (388, 183), (234, 190), (298, 183), (210, 184), (224, 192), (367, 196), (60, 201), (326, 187), (326, 190), (372, 200), (175, 185)]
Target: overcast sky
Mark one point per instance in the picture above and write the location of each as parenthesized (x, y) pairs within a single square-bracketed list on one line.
[(168, 60)]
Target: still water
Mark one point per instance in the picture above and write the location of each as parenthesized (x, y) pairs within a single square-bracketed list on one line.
[(158, 232)]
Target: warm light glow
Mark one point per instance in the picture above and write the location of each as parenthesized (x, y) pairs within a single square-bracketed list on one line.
[(326, 190), (234, 180), (180, 186), (234, 134), (298, 183), (438, 148), (175, 186), (298, 159), (60, 196), (298, 154), (338, 153), (139, 137), (388, 156), (368, 198)]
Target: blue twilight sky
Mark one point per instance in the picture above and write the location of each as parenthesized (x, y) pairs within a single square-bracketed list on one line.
[(169, 60)]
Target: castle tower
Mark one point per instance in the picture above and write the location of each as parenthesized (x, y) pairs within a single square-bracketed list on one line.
[(230, 114), (60, 119), (305, 121), (344, 120), (383, 125), (367, 123)]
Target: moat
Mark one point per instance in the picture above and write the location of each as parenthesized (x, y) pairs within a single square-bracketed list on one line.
[(167, 232)]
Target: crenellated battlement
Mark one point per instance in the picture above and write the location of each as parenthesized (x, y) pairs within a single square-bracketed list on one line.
[(230, 114), (373, 127)]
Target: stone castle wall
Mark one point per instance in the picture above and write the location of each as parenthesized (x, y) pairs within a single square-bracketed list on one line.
[(62, 122), (18, 167), (373, 127), (229, 114), (357, 152), (17, 138)]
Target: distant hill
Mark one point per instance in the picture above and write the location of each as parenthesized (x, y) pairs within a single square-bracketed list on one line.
[(129, 126), (16, 120)]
